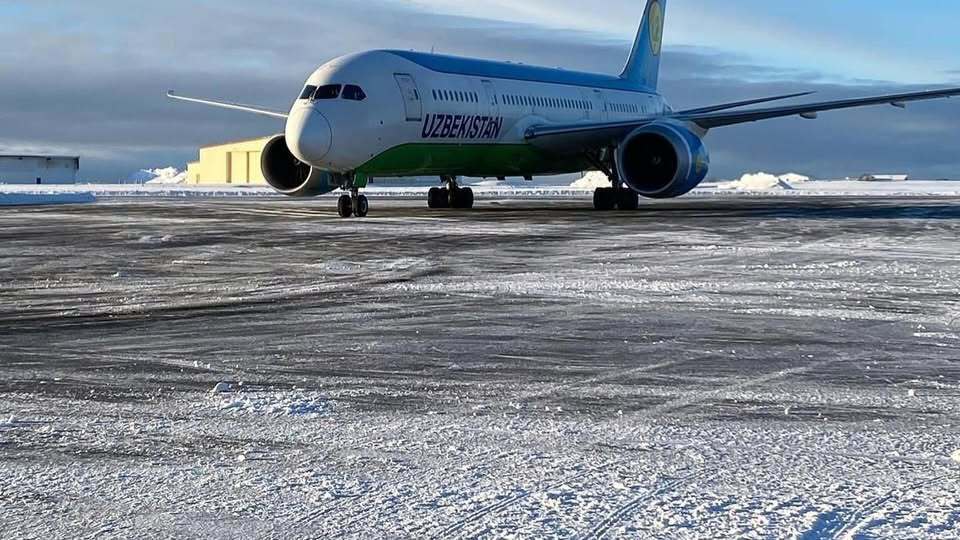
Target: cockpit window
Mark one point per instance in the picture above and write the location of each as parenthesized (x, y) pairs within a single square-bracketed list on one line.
[(330, 91), (354, 93), (308, 92)]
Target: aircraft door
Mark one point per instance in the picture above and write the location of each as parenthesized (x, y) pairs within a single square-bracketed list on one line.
[(411, 97), (600, 106), (492, 105), (587, 112)]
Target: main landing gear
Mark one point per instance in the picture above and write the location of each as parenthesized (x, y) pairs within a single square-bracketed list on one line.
[(353, 204), (613, 198), (451, 195)]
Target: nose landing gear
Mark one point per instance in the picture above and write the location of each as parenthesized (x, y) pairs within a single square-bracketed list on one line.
[(450, 196)]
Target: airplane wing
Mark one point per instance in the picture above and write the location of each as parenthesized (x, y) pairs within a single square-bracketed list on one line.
[(738, 104), (713, 120), (228, 105), (562, 137)]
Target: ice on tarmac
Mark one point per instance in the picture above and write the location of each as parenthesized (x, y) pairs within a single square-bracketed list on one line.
[(714, 367)]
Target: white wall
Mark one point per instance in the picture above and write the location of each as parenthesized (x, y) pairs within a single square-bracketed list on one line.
[(27, 169)]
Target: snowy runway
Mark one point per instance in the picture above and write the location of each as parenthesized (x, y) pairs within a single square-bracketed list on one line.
[(735, 367)]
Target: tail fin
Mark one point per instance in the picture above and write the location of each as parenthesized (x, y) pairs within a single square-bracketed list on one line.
[(643, 67)]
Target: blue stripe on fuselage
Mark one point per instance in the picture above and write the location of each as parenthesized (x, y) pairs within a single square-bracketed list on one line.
[(502, 70)]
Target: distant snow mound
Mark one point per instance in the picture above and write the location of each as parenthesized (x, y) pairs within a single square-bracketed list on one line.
[(592, 180), (758, 182), (168, 175), (794, 178), (488, 183)]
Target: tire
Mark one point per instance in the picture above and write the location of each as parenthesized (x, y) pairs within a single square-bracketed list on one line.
[(362, 207), (466, 198), (604, 199), (444, 198), (433, 198), (345, 206), (627, 199)]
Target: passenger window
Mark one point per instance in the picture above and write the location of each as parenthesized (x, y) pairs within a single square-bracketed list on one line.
[(354, 93), (330, 91), (308, 92)]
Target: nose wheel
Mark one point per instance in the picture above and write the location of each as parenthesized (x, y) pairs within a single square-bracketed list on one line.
[(354, 204)]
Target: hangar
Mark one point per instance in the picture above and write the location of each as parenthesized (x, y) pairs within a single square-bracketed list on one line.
[(18, 169), (235, 163)]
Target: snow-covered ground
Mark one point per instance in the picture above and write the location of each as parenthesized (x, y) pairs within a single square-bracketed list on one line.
[(750, 185), (38, 198), (757, 368)]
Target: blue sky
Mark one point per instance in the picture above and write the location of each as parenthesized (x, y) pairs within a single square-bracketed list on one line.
[(88, 77), (858, 39)]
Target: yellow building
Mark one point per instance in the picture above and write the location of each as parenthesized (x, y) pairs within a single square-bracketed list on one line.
[(236, 163)]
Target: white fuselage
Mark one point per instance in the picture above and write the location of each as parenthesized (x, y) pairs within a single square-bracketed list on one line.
[(406, 104)]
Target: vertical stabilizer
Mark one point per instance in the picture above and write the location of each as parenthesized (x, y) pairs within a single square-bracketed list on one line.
[(643, 67)]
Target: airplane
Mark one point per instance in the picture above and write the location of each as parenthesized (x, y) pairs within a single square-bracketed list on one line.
[(394, 113)]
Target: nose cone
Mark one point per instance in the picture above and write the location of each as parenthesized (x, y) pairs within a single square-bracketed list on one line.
[(309, 136)]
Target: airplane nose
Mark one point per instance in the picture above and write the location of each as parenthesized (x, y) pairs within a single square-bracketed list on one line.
[(309, 135)]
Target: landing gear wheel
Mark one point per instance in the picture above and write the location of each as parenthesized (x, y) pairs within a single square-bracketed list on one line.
[(627, 199), (605, 199), (437, 198), (345, 206), (460, 198), (466, 198), (361, 206)]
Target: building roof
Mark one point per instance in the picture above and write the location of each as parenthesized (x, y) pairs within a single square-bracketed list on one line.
[(27, 156), (241, 141)]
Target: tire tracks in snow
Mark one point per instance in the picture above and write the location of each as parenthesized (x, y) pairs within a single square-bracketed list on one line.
[(694, 397), (601, 529), (376, 505), (465, 525), (533, 397), (861, 517)]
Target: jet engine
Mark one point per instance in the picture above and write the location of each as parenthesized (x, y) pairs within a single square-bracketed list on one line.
[(290, 176), (662, 160)]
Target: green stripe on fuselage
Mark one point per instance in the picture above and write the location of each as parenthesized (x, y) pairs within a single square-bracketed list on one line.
[(476, 160)]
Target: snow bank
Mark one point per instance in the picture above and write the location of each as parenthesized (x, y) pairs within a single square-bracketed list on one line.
[(37, 199), (794, 178), (758, 182), (592, 180), (168, 176)]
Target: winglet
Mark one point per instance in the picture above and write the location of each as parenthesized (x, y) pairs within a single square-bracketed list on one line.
[(643, 66)]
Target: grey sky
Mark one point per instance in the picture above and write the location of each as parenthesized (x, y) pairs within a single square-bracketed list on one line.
[(89, 79)]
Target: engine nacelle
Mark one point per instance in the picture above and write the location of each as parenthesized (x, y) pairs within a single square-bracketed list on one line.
[(662, 160), (290, 176)]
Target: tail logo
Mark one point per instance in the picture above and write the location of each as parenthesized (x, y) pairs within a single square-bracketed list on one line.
[(656, 28)]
